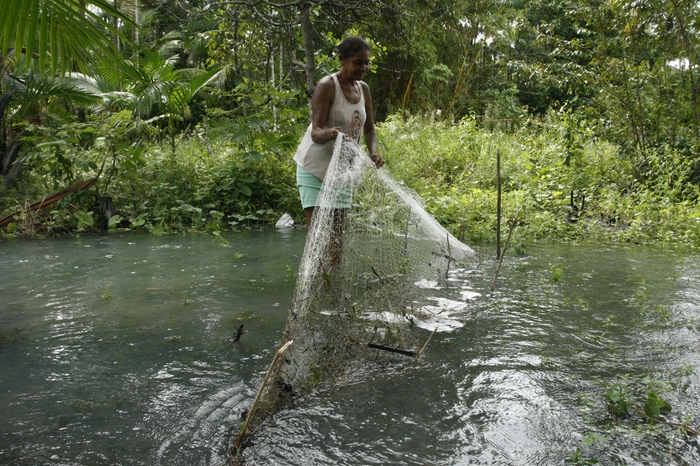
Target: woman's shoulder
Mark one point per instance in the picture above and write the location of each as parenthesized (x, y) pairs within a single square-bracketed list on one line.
[(365, 89), (327, 81), (326, 86)]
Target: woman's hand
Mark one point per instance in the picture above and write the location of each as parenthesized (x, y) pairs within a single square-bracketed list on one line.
[(377, 160), (332, 133)]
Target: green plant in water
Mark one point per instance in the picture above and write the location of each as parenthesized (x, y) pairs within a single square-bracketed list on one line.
[(615, 396), (591, 437), (556, 274), (655, 408), (577, 459), (641, 296), (662, 311), (106, 294), (290, 274)]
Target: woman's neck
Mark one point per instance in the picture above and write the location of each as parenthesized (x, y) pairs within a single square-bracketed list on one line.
[(345, 80)]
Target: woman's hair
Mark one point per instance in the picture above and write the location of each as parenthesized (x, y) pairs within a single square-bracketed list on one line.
[(350, 46)]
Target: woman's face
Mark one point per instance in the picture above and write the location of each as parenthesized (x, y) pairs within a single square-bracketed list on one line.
[(356, 65)]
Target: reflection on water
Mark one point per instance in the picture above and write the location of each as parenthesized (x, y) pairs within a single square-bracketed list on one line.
[(118, 350)]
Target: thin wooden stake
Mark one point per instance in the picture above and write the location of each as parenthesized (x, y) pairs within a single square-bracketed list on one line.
[(505, 246), (405, 236), (498, 204)]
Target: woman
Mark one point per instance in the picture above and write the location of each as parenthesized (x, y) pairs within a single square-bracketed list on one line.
[(341, 104)]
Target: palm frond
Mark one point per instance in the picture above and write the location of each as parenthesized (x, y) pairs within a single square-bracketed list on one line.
[(41, 87), (60, 32)]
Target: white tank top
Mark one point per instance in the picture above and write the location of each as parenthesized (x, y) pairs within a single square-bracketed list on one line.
[(315, 158)]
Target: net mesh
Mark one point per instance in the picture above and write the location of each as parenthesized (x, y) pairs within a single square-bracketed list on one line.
[(370, 245)]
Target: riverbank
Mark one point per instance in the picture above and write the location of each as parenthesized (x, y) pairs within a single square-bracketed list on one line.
[(567, 185)]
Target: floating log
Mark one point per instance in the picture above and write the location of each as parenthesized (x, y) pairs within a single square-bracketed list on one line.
[(47, 201)]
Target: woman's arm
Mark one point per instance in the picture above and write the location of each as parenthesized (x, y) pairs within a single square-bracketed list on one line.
[(320, 104)]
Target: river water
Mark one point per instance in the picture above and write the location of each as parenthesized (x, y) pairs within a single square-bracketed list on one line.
[(119, 350)]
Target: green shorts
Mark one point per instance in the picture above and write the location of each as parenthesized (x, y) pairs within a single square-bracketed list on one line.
[(310, 187)]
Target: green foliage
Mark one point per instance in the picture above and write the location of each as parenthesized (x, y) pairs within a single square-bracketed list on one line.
[(654, 405), (621, 398), (634, 407), (556, 273), (617, 401), (61, 32), (568, 182), (592, 106)]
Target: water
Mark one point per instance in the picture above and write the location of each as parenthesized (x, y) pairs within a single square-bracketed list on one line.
[(117, 350)]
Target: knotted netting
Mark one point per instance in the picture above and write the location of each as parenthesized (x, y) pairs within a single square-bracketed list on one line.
[(368, 248)]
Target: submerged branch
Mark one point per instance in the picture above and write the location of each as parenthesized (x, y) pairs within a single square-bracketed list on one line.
[(684, 427)]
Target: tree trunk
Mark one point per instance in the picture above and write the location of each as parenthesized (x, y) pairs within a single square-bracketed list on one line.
[(310, 65)]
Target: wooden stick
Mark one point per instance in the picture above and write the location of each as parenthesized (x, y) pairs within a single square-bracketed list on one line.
[(449, 256), (391, 350), (505, 246), (415, 363), (498, 204), (405, 236), (239, 332), (244, 428)]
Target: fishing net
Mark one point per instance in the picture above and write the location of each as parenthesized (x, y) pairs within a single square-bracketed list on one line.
[(369, 248)]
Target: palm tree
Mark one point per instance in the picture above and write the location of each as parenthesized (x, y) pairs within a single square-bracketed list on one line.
[(38, 40), (31, 101), (63, 34)]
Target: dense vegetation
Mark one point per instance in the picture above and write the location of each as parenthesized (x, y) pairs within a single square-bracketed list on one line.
[(190, 110)]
